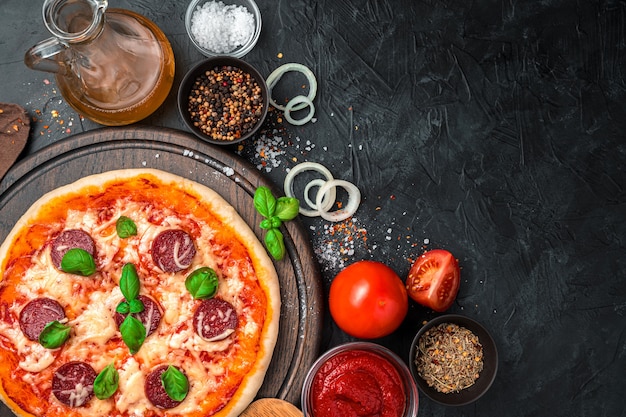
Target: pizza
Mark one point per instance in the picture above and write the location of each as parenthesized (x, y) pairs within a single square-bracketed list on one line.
[(134, 293)]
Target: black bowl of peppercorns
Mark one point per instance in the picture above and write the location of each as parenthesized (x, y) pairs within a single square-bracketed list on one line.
[(223, 100)]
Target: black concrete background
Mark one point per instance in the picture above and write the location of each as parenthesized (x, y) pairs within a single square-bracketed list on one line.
[(493, 129)]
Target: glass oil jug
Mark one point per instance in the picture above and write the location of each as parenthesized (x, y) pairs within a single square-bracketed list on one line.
[(113, 66)]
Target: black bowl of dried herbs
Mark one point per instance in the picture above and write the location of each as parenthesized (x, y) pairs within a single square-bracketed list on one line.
[(453, 360), (223, 100)]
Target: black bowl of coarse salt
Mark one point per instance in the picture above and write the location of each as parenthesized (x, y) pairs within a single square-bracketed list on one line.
[(223, 100)]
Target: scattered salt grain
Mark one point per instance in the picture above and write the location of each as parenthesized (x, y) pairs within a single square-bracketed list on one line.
[(336, 244), (221, 28), (268, 152)]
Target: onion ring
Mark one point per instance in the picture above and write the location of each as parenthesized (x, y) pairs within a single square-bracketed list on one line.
[(291, 106), (275, 76), (354, 199), (309, 166), (325, 202)]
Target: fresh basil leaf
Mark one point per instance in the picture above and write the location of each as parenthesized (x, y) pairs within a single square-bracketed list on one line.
[(135, 306), (275, 244), (125, 227), (265, 224), (78, 261), (175, 383), (133, 333), (106, 382), (129, 282), (287, 208), (123, 307), (54, 334), (275, 222), (264, 201), (202, 283)]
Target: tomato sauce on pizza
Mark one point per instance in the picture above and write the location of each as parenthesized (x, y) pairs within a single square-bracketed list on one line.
[(221, 345)]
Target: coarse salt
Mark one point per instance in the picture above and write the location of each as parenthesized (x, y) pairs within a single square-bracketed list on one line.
[(221, 28)]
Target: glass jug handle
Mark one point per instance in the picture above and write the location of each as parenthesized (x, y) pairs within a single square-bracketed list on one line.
[(41, 57), (44, 56)]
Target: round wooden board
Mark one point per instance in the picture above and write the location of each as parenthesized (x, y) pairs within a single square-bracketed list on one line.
[(235, 179)]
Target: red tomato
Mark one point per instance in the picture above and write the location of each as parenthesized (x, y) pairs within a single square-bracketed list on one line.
[(434, 279), (368, 300)]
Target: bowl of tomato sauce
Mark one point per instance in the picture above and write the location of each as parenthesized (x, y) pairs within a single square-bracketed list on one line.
[(359, 378)]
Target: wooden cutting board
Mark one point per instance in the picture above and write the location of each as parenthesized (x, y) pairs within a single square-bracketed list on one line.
[(235, 179), (271, 407)]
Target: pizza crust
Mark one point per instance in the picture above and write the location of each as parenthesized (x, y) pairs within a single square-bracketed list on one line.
[(263, 265)]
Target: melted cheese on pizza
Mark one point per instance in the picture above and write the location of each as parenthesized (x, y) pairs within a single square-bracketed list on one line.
[(90, 302)]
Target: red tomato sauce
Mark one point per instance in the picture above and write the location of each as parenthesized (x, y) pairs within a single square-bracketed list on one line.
[(358, 383)]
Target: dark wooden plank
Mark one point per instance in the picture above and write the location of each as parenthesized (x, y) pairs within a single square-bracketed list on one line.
[(235, 179)]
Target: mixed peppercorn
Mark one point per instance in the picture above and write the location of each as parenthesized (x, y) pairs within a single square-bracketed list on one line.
[(225, 103)]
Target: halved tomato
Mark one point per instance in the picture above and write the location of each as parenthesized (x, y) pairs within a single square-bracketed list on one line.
[(434, 279)]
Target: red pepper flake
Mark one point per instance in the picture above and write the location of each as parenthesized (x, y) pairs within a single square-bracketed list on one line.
[(338, 243)]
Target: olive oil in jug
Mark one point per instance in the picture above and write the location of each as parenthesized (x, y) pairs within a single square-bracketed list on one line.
[(114, 66)]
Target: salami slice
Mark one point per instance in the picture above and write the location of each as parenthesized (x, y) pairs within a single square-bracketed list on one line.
[(155, 392), (150, 316), (70, 239), (173, 250), (72, 383), (37, 314), (215, 319)]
